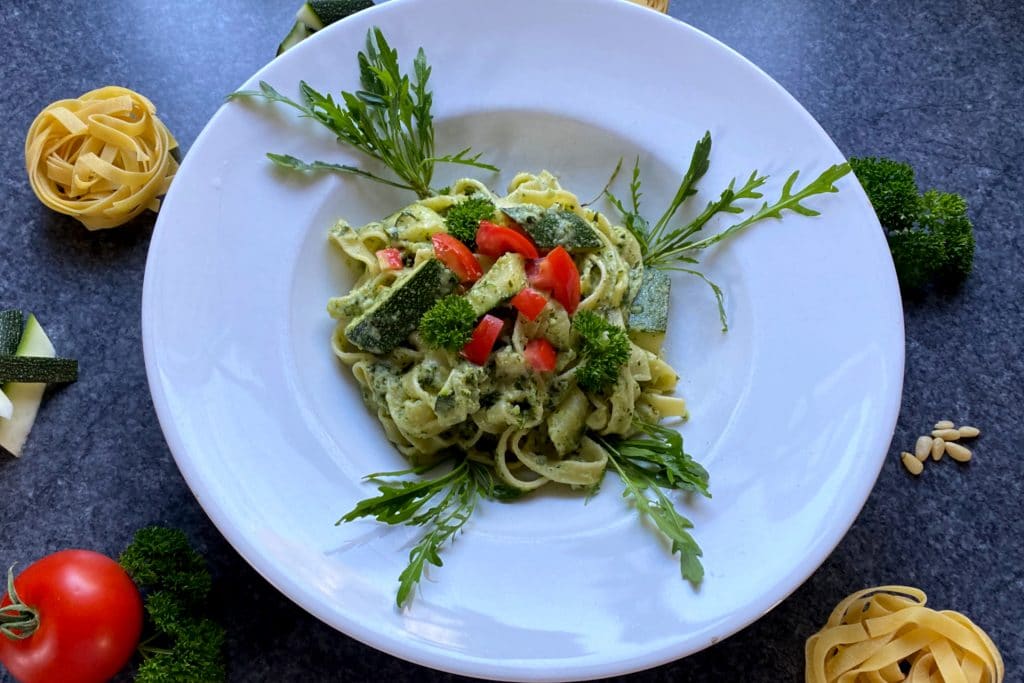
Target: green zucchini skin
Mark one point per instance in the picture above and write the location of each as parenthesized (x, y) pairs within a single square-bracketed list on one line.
[(393, 317), (553, 227), (330, 11), (649, 310), (35, 369), (12, 326)]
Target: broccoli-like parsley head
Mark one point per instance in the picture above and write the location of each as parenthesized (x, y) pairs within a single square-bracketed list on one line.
[(449, 323), (940, 247), (930, 236), (463, 219), (891, 188), (604, 349), (182, 643), (944, 215)]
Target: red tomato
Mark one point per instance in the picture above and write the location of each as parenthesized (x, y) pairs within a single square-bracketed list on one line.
[(529, 302), (494, 240), (457, 257), (389, 259), (90, 619), (541, 355), (479, 346), (557, 273)]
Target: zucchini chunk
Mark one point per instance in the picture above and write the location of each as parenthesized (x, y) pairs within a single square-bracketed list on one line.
[(395, 315), (554, 227), (25, 397)]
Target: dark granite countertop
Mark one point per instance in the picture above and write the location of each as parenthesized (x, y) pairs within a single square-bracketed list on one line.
[(939, 83)]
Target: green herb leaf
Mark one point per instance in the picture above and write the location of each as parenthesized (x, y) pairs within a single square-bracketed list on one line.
[(389, 119), (449, 323), (463, 219), (604, 349), (452, 497), (294, 164), (645, 468), (181, 644)]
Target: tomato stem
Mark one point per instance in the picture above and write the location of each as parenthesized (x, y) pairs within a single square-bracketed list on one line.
[(18, 621)]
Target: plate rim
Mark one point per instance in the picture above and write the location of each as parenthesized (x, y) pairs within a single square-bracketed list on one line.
[(458, 662)]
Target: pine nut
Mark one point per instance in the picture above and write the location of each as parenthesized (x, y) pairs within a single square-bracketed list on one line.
[(938, 448), (969, 432), (923, 447), (913, 465), (944, 424), (958, 452), (947, 434)]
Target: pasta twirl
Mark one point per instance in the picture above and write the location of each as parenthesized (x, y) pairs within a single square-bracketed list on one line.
[(102, 158), (887, 634)]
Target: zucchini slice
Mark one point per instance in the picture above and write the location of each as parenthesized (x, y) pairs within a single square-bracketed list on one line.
[(554, 227), (394, 316), (298, 34), (6, 407), (649, 311), (12, 325), (35, 369), (25, 396), (317, 14)]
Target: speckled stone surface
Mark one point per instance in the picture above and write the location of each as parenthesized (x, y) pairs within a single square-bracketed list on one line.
[(935, 82)]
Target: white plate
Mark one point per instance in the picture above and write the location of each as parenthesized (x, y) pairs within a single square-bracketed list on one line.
[(792, 410)]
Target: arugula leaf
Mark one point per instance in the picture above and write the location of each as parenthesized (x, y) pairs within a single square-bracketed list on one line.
[(666, 249), (647, 465), (389, 119), (452, 498)]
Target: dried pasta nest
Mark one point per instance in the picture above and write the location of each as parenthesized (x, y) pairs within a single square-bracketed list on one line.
[(102, 158), (887, 634)]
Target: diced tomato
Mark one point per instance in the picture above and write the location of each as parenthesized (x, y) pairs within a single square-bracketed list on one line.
[(529, 302), (541, 355), (557, 273), (494, 240), (389, 259), (457, 257), (480, 344)]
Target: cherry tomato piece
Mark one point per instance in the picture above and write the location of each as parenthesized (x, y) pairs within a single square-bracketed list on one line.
[(90, 619), (457, 256), (541, 355), (389, 259), (529, 302), (557, 273), (494, 240), (479, 346)]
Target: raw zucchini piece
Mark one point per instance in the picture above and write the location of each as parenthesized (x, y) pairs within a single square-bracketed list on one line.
[(298, 34), (317, 14), (12, 325), (553, 227), (6, 407), (649, 310), (394, 316), (32, 369), (25, 396), (505, 279)]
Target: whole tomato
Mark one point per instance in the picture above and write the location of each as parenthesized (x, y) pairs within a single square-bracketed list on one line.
[(90, 619)]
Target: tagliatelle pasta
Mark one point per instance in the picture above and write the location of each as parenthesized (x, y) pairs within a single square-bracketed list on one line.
[(528, 426), (886, 634), (102, 158)]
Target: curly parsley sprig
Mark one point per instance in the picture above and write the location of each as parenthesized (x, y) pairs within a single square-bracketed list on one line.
[(389, 119)]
